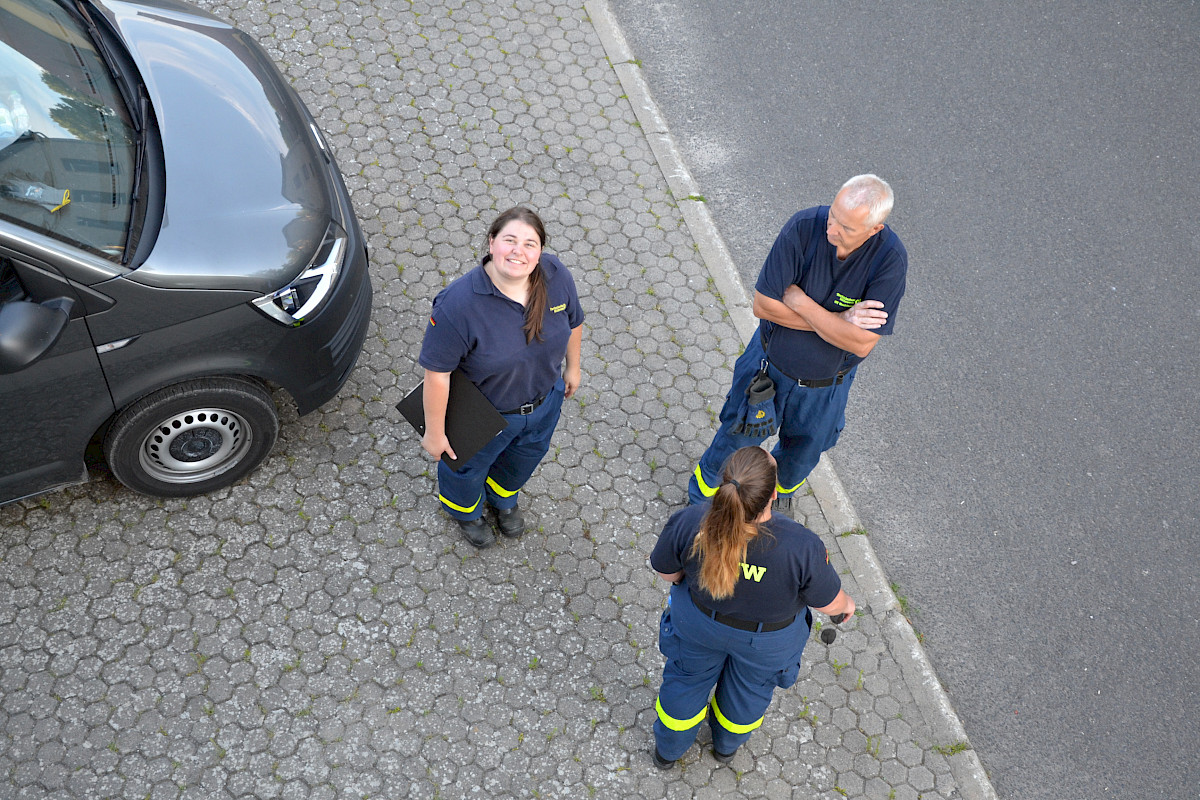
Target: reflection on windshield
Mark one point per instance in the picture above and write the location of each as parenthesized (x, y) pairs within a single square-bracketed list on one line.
[(67, 149)]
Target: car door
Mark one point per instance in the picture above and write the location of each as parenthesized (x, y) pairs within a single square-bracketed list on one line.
[(49, 408)]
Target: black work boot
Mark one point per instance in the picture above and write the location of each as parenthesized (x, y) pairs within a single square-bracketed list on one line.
[(510, 521), (477, 532), (661, 762)]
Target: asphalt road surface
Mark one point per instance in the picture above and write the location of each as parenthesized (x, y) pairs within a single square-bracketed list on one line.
[(1023, 450)]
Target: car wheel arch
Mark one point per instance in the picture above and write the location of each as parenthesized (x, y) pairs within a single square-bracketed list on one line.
[(216, 430)]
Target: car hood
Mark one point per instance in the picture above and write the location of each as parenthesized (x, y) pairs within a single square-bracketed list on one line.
[(248, 192)]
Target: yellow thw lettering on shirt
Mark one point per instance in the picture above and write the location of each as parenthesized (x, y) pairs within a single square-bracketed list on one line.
[(753, 572), (845, 302), (558, 308)]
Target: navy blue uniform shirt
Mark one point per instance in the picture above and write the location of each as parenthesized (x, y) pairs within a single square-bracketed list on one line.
[(803, 256), (786, 568), (476, 328)]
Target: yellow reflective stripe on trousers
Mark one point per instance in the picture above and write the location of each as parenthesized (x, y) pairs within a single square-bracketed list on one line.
[(678, 724), (733, 727), (705, 489), (782, 490), (500, 490), (461, 509)]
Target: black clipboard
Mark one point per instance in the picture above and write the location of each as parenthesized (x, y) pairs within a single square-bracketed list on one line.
[(471, 420)]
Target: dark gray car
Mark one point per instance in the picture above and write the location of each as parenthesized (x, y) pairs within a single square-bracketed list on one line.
[(175, 239)]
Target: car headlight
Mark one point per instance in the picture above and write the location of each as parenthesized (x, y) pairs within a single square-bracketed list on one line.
[(297, 303)]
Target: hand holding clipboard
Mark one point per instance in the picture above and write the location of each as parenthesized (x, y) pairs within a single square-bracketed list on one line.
[(471, 421)]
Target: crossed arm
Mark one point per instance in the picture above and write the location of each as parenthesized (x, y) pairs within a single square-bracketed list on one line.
[(850, 330)]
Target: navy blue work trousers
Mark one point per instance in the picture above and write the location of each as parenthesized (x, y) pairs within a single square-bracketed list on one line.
[(743, 666), (810, 421), (501, 468)]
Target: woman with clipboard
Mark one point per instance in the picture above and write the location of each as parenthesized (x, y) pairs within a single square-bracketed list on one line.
[(508, 325)]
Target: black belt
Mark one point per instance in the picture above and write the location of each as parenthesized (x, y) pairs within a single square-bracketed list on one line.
[(528, 408), (741, 624), (816, 383), (820, 383)]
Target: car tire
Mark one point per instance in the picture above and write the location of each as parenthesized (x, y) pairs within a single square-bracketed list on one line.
[(192, 437)]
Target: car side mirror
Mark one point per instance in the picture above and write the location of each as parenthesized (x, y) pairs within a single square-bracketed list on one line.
[(28, 331)]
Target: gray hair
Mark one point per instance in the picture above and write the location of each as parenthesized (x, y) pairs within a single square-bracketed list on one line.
[(873, 192)]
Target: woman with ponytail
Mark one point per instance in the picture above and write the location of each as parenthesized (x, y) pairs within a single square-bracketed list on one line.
[(738, 615), (514, 327)]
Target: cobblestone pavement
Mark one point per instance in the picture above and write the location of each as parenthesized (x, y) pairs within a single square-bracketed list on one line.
[(321, 630)]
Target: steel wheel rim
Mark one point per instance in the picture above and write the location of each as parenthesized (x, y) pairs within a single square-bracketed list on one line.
[(195, 445)]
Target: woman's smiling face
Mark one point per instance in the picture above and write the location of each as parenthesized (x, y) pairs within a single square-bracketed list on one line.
[(515, 250)]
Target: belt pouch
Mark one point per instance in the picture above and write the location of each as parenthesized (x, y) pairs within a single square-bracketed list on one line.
[(756, 417)]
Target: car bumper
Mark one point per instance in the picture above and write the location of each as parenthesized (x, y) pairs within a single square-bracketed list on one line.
[(313, 361)]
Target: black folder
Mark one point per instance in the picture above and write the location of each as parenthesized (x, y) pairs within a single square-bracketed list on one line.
[(471, 420)]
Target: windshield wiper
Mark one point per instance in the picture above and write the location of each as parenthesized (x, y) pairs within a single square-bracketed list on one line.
[(133, 94), (135, 190), (114, 66)]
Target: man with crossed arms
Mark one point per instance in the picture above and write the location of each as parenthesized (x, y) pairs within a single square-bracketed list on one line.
[(829, 289)]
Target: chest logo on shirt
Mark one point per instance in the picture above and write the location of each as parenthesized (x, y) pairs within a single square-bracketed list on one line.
[(558, 308), (752, 572), (845, 302)]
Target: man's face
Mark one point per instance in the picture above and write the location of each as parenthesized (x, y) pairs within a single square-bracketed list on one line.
[(847, 228)]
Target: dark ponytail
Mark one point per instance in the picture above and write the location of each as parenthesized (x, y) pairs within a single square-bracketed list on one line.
[(729, 526), (535, 305)]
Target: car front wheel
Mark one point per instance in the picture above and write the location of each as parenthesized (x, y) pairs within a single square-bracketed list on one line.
[(192, 437)]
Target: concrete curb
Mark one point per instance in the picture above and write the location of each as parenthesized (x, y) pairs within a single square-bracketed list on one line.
[(830, 494)]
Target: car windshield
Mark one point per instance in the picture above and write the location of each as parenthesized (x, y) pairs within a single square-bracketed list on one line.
[(67, 145)]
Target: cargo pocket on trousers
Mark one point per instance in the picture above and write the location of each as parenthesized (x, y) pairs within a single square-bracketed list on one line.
[(668, 639), (786, 677)]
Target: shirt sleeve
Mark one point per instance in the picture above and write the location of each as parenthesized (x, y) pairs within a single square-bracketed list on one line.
[(785, 262), (574, 309), (888, 284), (821, 582), (668, 556), (444, 346)]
